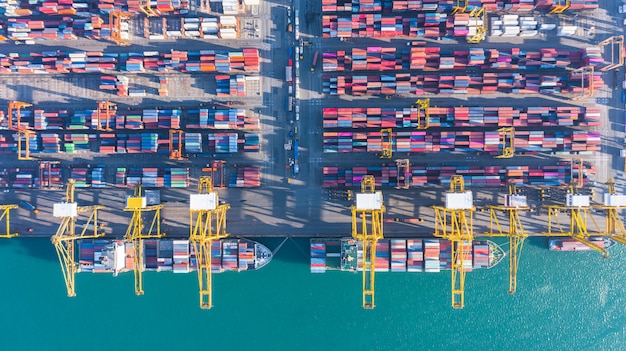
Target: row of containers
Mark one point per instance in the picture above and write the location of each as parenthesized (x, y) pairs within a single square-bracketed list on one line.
[(28, 177), (434, 25), (385, 6), (400, 255), (230, 85), (461, 116), (130, 62), (223, 27), (110, 143), (135, 119), (152, 177), (86, 177), (51, 177), (481, 83), (376, 58), (19, 8), (527, 142), (245, 177), (475, 176), (119, 84), (95, 27)]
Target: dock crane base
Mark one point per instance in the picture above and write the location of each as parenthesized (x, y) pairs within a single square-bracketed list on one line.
[(136, 231), (207, 218), (368, 235)]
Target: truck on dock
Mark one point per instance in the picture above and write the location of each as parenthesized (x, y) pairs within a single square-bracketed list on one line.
[(28, 206), (314, 61)]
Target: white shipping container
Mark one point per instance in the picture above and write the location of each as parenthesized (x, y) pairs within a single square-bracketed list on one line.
[(547, 26), (528, 33), (510, 17)]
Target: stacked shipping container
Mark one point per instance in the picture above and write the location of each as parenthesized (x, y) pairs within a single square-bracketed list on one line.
[(420, 57), (475, 176), (485, 83), (147, 61), (389, 117), (565, 142)]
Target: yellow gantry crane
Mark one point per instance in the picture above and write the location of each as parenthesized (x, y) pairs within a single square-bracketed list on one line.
[(137, 232), (561, 6), (369, 206), (386, 135), (146, 8), (23, 144), (513, 204), (64, 240), (454, 222), (479, 15), (6, 216), (459, 6), (613, 203), (207, 218), (423, 113), (578, 208), (507, 142)]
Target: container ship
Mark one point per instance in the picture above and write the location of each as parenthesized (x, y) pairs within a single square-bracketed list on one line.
[(570, 244), (178, 256), (401, 255)]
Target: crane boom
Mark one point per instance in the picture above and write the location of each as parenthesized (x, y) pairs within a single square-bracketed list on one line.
[(454, 222), (207, 218), (579, 210), (136, 232), (514, 203), (64, 240), (369, 204)]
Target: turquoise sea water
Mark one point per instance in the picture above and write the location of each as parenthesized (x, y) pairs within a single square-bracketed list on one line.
[(565, 301)]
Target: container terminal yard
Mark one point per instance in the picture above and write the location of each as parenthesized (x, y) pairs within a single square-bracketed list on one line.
[(448, 119)]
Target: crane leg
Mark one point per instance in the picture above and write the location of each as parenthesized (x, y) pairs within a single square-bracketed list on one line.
[(369, 259), (138, 266), (515, 248), (203, 252), (458, 274)]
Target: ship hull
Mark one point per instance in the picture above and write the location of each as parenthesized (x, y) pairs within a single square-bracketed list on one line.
[(401, 255), (569, 244), (178, 256)]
